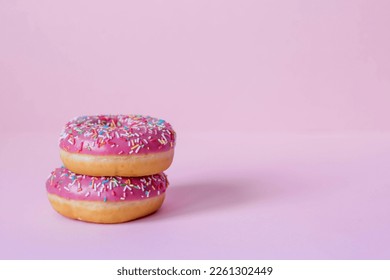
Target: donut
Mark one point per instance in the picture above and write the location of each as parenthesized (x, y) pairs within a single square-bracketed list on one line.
[(105, 200), (117, 145)]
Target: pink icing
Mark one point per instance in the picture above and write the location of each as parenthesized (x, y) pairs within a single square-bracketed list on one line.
[(117, 135), (66, 184)]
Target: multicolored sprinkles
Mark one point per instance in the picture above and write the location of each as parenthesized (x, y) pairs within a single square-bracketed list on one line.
[(66, 184), (117, 135)]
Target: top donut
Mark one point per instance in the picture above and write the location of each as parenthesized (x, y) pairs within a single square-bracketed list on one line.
[(117, 135), (94, 140)]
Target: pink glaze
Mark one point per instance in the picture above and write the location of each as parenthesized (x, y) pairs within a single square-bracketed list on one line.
[(117, 135), (66, 184)]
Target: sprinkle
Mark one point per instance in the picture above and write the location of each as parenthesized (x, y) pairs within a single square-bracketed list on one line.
[(134, 147)]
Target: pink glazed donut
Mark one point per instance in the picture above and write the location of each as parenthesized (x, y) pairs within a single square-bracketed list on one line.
[(117, 145), (105, 199)]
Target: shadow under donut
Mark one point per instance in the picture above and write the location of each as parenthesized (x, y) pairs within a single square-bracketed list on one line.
[(213, 195)]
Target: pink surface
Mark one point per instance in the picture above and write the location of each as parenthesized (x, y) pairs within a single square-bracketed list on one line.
[(253, 65), (293, 196), (280, 108)]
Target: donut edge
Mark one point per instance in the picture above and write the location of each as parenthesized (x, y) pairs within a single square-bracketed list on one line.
[(111, 165), (105, 212)]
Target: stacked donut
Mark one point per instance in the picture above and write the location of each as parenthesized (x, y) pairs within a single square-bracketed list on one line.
[(113, 168)]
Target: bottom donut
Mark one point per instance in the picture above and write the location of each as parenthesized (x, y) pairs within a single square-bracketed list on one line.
[(105, 200), (105, 212)]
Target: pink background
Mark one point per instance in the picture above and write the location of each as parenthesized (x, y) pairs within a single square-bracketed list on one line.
[(281, 110)]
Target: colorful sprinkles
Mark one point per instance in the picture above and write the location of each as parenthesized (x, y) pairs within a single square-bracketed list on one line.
[(67, 184), (117, 135)]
